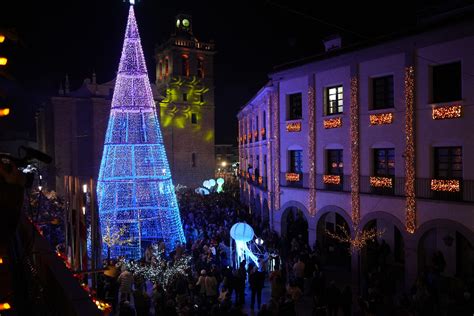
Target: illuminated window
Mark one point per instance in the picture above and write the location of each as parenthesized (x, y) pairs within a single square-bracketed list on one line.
[(448, 162), (382, 92), (335, 165), (296, 161), (193, 160), (446, 83), (166, 67), (384, 162), (185, 65), (200, 67), (294, 106), (194, 118), (334, 100), (185, 97)]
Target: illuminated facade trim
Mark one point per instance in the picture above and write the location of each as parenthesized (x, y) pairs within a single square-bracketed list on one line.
[(446, 112), (293, 126), (445, 185), (381, 118), (312, 145), (332, 123), (276, 130), (410, 149), (355, 197)]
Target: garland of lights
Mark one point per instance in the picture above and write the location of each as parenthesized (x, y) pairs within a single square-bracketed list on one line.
[(381, 118), (360, 239), (312, 147), (292, 177), (332, 123), (381, 182), (331, 179), (355, 198), (276, 129), (294, 126), (135, 190), (446, 112), (445, 185), (410, 150)]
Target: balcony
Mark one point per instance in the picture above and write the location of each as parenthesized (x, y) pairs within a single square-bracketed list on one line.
[(293, 126), (326, 182), (260, 182), (294, 180)]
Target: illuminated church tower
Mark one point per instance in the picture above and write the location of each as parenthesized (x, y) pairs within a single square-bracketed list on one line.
[(136, 197), (184, 79)]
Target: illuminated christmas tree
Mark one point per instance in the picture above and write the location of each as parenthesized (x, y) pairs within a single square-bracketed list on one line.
[(135, 191)]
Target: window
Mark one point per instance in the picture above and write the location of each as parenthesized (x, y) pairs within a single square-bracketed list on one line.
[(185, 65), (334, 101), (294, 108), (166, 67), (193, 160), (185, 97), (194, 118), (335, 165), (160, 70), (200, 67), (384, 162), (448, 162), (296, 161), (382, 92), (447, 83)]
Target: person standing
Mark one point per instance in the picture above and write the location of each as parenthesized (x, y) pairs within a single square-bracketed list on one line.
[(125, 280), (256, 281)]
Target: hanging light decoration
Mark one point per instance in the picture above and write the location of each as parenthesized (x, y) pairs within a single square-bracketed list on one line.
[(410, 215), (381, 118), (332, 123), (446, 112)]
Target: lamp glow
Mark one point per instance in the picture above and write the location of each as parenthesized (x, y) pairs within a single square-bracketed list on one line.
[(135, 191), (84, 188)]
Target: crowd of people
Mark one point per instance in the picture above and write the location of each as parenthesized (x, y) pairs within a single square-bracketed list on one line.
[(294, 273)]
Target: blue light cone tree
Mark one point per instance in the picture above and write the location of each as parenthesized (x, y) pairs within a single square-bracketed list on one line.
[(135, 191)]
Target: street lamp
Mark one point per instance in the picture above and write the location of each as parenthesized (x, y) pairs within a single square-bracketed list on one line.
[(84, 188), (224, 163)]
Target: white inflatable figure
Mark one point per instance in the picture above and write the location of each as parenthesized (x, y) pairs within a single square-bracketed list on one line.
[(242, 233)]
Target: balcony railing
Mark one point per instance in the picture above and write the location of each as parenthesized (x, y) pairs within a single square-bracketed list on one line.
[(294, 180), (260, 182)]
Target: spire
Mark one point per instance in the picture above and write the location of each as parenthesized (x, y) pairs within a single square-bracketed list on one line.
[(94, 77)]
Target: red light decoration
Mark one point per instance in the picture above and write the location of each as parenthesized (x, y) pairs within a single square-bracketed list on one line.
[(293, 126), (410, 215), (381, 182), (292, 177), (446, 112), (260, 180), (262, 131), (381, 118), (331, 179), (445, 185), (332, 123)]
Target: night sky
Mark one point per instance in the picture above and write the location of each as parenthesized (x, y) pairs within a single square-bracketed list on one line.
[(78, 37)]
